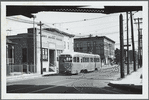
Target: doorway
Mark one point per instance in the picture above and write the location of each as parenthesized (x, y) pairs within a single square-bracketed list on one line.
[(51, 57), (51, 60)]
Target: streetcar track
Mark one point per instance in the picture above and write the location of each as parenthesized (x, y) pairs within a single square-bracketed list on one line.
[(81, 89), (78, 78), (52, 87)]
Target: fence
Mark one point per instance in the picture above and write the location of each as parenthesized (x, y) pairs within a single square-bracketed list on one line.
[(10, 60), (20, 68)]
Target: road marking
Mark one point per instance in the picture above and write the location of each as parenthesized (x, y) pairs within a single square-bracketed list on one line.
[(52, 87)]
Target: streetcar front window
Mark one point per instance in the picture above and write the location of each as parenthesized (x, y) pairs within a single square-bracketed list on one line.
[(65, 58)]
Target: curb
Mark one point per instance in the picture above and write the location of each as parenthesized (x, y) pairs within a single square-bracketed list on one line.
[(129, 86)]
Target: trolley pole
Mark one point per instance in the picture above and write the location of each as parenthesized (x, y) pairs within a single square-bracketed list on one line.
[(133, 46), (121, 47), (40, 24)]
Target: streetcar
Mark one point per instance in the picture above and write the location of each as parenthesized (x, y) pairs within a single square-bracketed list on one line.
[(75, 62)]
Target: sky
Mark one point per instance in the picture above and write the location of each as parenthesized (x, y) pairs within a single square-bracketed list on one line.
[(79, 24)]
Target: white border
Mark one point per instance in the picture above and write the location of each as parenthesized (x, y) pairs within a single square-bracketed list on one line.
[(76, 96)]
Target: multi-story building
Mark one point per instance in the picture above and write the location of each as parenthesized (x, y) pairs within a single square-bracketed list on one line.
[(96, 45), (28, 48)]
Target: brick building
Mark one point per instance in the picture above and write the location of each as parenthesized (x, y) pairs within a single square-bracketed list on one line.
[(54, 42), (96, 45)]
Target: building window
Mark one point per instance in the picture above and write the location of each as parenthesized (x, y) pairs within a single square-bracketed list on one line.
[(24, 55), (88, 44), (80, 44), (77, 45), (64, 45), (44, 54), (94, 43), (59, 52), (10, 53)]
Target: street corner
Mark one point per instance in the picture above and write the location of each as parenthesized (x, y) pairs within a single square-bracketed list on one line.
[(128, 84), (128, 87)]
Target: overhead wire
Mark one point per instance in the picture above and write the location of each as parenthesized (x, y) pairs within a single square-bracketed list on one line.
[(90, 25), (21, 20), (81, 20), (31, 22), (108, 27)]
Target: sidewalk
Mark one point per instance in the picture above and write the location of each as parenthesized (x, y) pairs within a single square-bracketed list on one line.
[(132, 82), (24, 77)]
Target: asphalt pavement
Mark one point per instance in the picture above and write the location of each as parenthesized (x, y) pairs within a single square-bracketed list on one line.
[(92, 82)]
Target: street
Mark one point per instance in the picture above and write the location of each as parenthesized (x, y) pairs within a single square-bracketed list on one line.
[(91, 82)]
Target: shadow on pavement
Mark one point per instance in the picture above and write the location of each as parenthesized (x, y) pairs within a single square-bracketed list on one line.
[(67, 89), (132, 88)]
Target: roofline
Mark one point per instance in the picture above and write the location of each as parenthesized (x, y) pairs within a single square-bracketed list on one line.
[(96, 37), (56, 30), (109, 39), (61, 32)]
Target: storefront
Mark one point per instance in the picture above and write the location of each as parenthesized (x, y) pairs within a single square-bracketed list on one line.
[(28, 50), (54, 42)]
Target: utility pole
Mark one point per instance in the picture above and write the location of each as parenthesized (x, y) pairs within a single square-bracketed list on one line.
[(127, 45), (121, 46), (40, 24), (133, 46), (34, 36), (139, 37)]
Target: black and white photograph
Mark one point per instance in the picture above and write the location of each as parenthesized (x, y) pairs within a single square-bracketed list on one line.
[(74, 50)]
